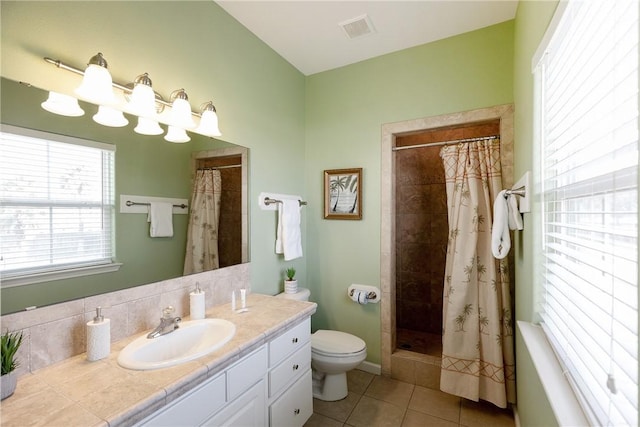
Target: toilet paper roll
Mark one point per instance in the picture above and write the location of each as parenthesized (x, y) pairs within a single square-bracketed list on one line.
[(362, 297), (196, 305), (98, 339), (359, 296)]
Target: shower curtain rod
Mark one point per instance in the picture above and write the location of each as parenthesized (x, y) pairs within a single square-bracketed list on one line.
[(436, 144), (219, 167)]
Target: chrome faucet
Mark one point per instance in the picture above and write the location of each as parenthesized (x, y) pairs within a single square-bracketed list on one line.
[(168, 323)]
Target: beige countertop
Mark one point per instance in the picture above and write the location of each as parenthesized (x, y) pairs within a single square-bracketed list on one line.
[(76, 392)]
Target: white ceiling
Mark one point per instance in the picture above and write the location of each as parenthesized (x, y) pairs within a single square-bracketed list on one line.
[(306, 33)]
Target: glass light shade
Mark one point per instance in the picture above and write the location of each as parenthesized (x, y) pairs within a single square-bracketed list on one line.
[(209, 124), (96, 86), (148, 127), (181, 114), (111, 117), (176, 134), (63, 105), (143, 99)]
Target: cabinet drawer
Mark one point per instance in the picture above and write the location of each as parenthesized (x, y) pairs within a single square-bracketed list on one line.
[(192, 408), (295, 406), (290, 341), (246, 373), (286, 372)]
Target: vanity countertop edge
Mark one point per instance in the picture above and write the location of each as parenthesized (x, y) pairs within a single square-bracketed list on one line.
[(76, 392)]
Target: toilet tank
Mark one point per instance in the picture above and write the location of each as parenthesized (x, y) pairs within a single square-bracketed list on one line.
[(303, 294)]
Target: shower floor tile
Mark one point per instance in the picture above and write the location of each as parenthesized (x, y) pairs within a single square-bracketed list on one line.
[(419, 342)]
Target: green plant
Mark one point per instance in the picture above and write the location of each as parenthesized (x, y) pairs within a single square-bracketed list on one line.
[(291, 273), (10, 343)]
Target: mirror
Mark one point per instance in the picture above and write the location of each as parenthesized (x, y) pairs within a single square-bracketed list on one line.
[(146, 166)]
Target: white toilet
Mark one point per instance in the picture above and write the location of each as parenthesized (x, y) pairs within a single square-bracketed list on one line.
[(333, 353)]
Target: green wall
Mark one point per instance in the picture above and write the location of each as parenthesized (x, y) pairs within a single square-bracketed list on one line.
[(192, 45), (345, 109), (532, 20)]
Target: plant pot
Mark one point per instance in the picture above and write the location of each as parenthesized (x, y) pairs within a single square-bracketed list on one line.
[(8, 384), (290, 286)]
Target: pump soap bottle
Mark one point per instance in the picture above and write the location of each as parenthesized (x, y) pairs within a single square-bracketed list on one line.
[(98, 337), (196, 303)]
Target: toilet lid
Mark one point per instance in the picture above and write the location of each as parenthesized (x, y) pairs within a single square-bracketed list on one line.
[(333, 342)]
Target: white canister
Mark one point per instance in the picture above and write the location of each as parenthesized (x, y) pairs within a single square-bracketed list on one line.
[(98, 337), (197, 303)]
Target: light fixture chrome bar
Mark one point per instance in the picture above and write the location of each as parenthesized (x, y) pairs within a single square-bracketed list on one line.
[(124, 88)]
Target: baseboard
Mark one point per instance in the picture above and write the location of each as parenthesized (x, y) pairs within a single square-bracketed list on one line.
[(372, 368)]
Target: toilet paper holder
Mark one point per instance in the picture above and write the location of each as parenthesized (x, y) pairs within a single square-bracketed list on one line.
[(373, 293)]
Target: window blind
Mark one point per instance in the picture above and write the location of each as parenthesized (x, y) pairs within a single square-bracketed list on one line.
[(56, 202), (588, 119)]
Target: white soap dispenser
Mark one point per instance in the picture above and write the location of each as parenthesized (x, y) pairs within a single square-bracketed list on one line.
[(196, 303), (98, 337)]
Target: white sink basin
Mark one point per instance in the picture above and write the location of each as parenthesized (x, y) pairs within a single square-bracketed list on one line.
[(191, 340)]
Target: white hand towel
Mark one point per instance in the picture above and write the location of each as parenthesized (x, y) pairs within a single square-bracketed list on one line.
[(291, 235), (515, 217), (500, 240), (161, 219), (279, 245)]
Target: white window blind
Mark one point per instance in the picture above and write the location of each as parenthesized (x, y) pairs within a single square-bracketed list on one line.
[(588, 125), (56, 202)]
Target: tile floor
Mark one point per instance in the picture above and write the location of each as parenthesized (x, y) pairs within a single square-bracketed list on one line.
[(376, 401), (419, 342)]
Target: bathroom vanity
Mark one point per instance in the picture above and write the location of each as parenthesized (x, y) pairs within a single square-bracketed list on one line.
[(270, 386), (261, 377)]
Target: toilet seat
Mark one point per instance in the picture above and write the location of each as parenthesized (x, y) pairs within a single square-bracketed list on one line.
[(336, 343)]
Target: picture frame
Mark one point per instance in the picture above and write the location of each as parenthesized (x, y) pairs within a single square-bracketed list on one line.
[(343, 194)]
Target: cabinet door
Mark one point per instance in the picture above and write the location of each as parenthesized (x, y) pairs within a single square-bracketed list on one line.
[(295, 406), (248, 410), (193, 407)]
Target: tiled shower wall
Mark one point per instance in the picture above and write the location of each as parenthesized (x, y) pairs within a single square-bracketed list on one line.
[(58, 331), (421, 239), (422, 225)]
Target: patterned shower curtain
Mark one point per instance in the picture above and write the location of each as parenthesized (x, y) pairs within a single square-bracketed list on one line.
[(477, 337), (202, 232)]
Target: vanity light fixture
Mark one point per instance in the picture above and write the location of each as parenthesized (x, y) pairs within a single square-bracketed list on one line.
[(97, 84), (109, 116), (209, 120), (181, 110), (176, 134), (141, 100), (63, 105)]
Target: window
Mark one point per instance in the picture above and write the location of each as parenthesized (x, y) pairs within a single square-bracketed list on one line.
[(56, 206), (586, 74)]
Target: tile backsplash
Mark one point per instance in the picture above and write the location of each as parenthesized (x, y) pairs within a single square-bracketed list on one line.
[(57, 332)]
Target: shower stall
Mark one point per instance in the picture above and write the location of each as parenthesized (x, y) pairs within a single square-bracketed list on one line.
[(422, 232), (414, 233)]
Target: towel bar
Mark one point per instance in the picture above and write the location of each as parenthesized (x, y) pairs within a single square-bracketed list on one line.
[(130, 203), (268, 201), (522, 191)]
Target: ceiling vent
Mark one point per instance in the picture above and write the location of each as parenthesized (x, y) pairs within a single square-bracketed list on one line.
[(357, 27)]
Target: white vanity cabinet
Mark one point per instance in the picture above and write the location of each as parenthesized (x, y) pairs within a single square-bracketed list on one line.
[(290, 388), (270, 386)]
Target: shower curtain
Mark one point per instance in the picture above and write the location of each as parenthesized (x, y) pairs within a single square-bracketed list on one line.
[(202, 231), (477, 337)]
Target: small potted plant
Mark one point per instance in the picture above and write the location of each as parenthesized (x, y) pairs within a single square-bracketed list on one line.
[(290, 283), (10, 343)]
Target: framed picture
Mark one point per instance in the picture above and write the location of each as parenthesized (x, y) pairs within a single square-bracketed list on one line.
[(343, 193)]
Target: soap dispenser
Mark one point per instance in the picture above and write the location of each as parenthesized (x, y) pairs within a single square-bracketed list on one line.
[(196, 303), (98, 337)]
